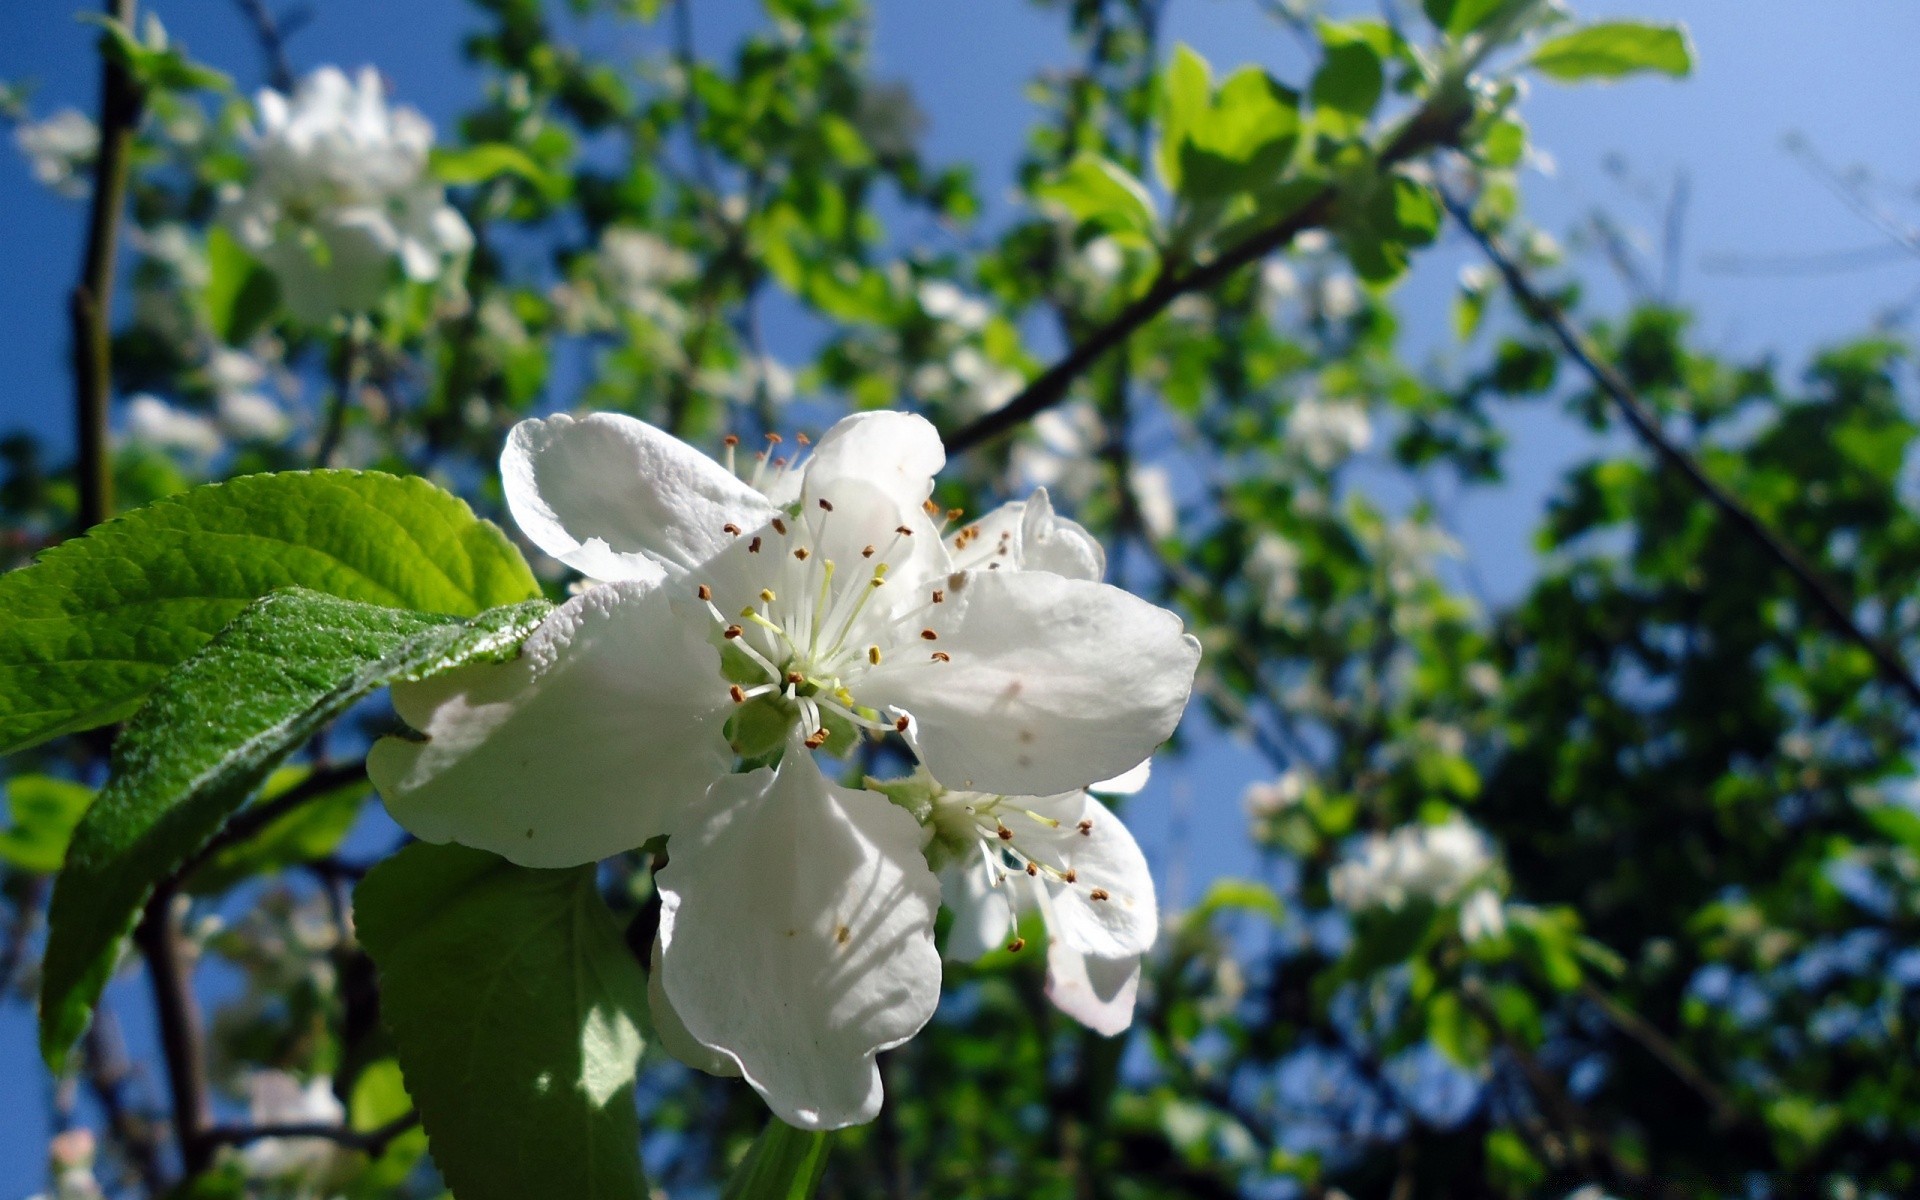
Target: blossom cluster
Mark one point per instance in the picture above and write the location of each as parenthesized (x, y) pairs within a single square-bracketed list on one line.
[(734, 626), (1435, 864), (341, 193)]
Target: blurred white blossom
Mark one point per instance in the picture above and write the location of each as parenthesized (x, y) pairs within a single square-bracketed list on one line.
[(340, 193), (1432, 863), (60, 149), (1273, 567), (70, 1160), (1269, 798), (278, 1098), (1327, 432), (944, 301), (1481, 916), (1153, 497), (150, 421)]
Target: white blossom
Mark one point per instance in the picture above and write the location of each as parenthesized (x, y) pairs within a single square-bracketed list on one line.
[(1270, 798), (241, 404), (1273, 566), (748, 620), (944, 301), (1152, 487), (637, 268), (278, 1098), (151, 421), (1431, 863), (1481, 915), (341, 193), (1328, 432), (1063, 453), (60, 149), (1337, 296), (1068, 858), (70, 1158)]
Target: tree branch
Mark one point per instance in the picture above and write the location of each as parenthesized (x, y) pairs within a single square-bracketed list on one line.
[(1434, 125), (182, 1036), (91, 303), (1645, 424), (251, 821), (272, 38), (372, 1142)]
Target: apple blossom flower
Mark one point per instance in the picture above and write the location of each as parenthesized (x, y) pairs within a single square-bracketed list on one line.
[(730, 618), (340, 193), (60, 149), (151, 421), (748, 621), (279, 1098), (1328, 432), (1434, 864), (1066, 856), (70, 1157)]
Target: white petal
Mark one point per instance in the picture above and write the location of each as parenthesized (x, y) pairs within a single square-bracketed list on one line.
[(982, 913), (898, 452), (1028, 535), (1097, 992), (672, 1031), (595, 739), (797, 926), (1109, 910), (1126, 783), (1050, 684), (1050, 542), (615, 498)]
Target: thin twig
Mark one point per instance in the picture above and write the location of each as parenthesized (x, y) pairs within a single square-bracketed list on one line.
[(108, 1072), (372, 1142), (1436, 124), (1645, 424), (272, 39), (1642, 1032), (182, 1035), (346, 382), (251, 821), (90, 306)]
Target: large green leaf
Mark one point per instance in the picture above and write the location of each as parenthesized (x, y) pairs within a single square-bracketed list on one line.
[(515, 1007), (1614, 49), (208, 736), (784, 1164), (87, 630)]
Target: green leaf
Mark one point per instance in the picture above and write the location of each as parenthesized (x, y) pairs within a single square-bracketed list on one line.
[(1615, 49), (1349, 82), (241, 294), (1186, 91), (1096, 191), (490, 160), (1243, 895), (515, 1007), (209, 735), (380, 1098), (1456, 1032), (42, 812), (784, 1164), (1457, 18), (98, 620), (1244, 139)]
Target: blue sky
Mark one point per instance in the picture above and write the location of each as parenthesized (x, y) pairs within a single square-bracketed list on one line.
[(1837, 72)]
